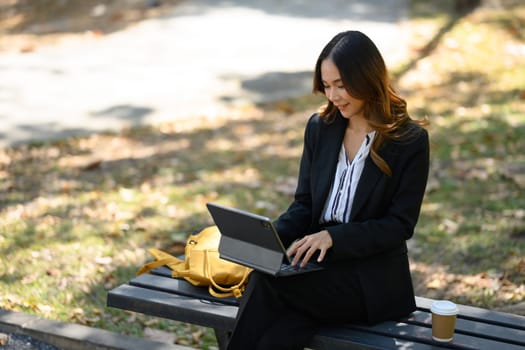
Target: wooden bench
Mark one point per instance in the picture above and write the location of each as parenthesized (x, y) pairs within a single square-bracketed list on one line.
[(157, 294)]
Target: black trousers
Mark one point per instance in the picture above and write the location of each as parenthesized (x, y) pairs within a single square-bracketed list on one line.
[(285, 312)]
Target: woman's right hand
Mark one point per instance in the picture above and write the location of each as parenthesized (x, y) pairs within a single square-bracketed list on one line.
[(303, 249)]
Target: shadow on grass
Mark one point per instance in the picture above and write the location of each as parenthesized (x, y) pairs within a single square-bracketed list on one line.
[(60, 194), (99, 121), (454, 12), (475, 206), (52, 198)]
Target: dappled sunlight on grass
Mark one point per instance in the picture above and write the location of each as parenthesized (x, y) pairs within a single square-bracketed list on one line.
[(469, 242), (490, 288), (247, 176), (82, 226)]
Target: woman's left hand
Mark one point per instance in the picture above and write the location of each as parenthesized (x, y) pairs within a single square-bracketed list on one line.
[(304, 248)]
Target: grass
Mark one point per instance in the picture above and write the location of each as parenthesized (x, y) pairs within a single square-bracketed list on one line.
[(472, 226), (77, 215)]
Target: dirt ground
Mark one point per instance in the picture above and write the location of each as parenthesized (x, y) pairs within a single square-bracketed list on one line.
[(27, 24)]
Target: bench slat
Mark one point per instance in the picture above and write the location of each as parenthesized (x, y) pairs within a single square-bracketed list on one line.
[(480, 315), (158, 294), (219, 316), (478, 329), (423, 334), (162, 271), (466, 312), (334, 339), (178, 286), (172, 306)]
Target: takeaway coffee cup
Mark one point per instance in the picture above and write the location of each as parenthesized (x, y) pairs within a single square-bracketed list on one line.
[(444, 315)]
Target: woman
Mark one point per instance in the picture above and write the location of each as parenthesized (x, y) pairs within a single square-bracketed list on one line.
[(362, 179)]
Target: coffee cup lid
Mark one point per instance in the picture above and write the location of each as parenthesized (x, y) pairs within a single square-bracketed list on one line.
[(444, 307)]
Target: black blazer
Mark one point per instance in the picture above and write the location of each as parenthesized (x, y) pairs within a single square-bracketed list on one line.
[(384, 213)]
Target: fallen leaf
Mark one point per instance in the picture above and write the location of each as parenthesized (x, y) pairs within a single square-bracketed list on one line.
[(3, 339), (53, 272), (45, 309), (103, 260), (151, 322), (110, 281), (78, 311), (435, 284), (196, 336), (93, 165), (27, 48), (29, 279), (132, 318)]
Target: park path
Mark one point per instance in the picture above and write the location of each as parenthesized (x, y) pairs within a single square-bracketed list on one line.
[(206, 57)]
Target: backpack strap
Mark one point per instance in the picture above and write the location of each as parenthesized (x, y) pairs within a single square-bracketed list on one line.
[(223, 292), (161, 259)]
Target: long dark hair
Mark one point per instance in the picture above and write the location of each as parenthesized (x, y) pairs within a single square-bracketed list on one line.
[(365, 77)]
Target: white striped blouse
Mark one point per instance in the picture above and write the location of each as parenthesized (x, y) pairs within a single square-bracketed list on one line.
[(339, 203)]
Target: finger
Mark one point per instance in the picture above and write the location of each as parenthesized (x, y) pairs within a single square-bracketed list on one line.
[(293, 247), (296, 259), (299, 252), (321, 255), (308, 255), (293, 253)]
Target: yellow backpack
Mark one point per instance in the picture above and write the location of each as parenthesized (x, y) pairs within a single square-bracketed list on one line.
[(202, 265)]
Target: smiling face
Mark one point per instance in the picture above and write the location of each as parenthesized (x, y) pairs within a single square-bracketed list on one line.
[(336, 92)]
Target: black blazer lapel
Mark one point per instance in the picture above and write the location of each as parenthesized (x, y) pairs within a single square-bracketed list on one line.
[(370, 178), (367, 182), (328, 156)]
